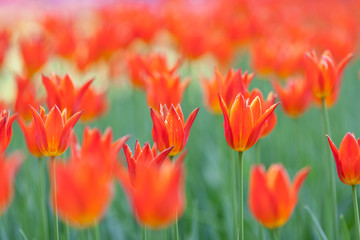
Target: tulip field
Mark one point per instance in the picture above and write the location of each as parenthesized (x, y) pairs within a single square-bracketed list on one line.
[(179, 119)]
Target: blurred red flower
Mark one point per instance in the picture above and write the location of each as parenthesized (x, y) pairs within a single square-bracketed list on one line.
[(154, 185), (272, 197)]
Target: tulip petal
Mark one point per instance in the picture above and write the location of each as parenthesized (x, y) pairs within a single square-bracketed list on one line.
[(175, 129), (349, 156), (159, 132), (261, 201), (257, 129), (227, 126), (189, 122), (337, 160), (299, 179)]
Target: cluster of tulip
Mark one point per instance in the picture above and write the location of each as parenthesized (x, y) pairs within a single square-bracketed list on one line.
[(81, 183)]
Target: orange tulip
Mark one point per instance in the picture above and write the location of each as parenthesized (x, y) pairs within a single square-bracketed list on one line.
[(272, 197), (141, 67), (4, 44), (165, 89), (53, 131), (35, 52), (8, 168), (282, 56), (229, 87), (154, 186), (84, 183), (295, 98), (26, 97), (29, 132), (347, 159), (6, 122), (271, 121), (245, 122), (93, 105), (62, 92), (170, 129), (322, 75)]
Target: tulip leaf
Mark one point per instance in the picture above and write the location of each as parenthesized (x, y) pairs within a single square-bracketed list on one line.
[(317, 226), (346, 234)]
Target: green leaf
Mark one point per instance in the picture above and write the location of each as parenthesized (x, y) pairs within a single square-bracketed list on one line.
[(346, 234), (317, 226)]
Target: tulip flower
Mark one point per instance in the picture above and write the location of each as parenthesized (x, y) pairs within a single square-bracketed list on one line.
[(229, 87), (6, 122), (62, 92), (84, 183), (279, 55), (295, 98), (165, 89), (9, 166), (141, 67), (245, 122), (322, 75), (272, 197), (154, 186), (53, 131), (93, 104), (26, 97), (29, 131), (35, 52), (347, 160), (271, 121), (4, 44), (170, 129)]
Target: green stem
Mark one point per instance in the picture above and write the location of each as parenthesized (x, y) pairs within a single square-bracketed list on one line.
[(41, 164), (96, 232), (176, 229), (257, 152), (276, 233), (261, 235), (67, 230), (356, 212), (241, 214), (233, 186), (56, 220), (331, 170), (144, 233), (166, 233), (257, 161)]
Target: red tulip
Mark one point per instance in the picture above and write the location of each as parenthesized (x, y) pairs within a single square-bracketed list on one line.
[(271, 121), (84, 183), (4, 44), (170, 129), (154, 186), (165, 89), (93, 105), (35, 52), (347, 159), (8, 168), (229, 87), (245, 122), (53, 131), (272, 197), (29, 132), (295, 98), (6, 122), (62, 92), (322, 75), (26, 97)]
